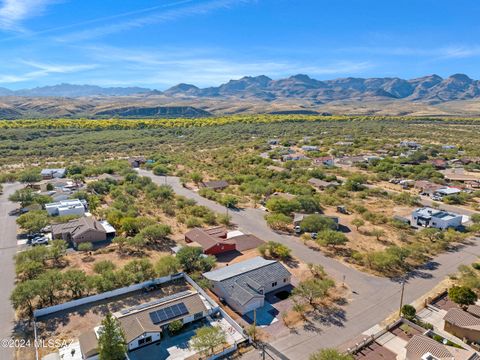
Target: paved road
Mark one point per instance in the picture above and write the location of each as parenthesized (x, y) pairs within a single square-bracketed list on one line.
[(373, 298), (8, 248)]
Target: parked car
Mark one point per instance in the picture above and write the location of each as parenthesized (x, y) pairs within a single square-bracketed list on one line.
[(297, 230), (314, 235), (34, 235), (40, 241), (19, 211)]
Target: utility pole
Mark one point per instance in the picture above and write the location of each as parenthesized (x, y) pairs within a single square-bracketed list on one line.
[(254, 324), (401, 297)]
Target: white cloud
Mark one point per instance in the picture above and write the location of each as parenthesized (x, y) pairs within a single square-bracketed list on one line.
[(166, 12), (41, 70), (13, 12)]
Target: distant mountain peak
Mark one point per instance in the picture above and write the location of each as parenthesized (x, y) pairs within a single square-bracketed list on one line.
[(300, 86)]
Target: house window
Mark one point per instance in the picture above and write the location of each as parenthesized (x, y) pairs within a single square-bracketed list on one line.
[(198, 316), (141, 342), (148, 339), (285, 280), (274, 284)]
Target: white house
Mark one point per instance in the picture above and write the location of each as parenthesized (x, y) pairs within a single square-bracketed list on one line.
[(53, 173), (67, 207), (143, 324), (309, 148), (438, 219), (447, 191), (243, 285), (324, 160)]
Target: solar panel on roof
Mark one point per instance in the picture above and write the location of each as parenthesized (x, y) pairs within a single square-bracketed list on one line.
[(168, 313), (154, 317)]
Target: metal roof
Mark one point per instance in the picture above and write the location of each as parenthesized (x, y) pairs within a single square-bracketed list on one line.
[(238, 269)]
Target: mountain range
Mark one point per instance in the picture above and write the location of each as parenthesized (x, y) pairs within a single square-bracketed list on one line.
[(429, 95), (432, 87)]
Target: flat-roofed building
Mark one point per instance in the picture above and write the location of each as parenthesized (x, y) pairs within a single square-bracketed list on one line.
[(439, 219), (67, 207)]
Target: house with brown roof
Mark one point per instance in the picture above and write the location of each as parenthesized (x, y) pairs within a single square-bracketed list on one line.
[(462, 324), (143, 325), (439, 164), (217, 240), (323, 161), (81, 230), (427, 187), (214, 185), (322, 184), (474, 310), (422, 347)]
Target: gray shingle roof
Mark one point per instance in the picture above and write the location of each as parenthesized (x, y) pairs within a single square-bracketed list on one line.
[(237, 269), (420, 345), (245, 280), (462, 319)]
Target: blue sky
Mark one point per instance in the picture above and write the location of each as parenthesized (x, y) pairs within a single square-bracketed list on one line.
[(159, 43)]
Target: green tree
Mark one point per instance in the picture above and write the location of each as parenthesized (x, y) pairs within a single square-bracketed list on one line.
[(137, 243), (160, 170), (155, 233), (167, 265), (331, 238), (51, 283), (111, 340), (24, 295), (140, 270), (229, 201), (378, 233), (57, 249), (23, 196), (462, 295), (192, 259), (33, 221), (409, 312), (121, 243), (357, 222), (207, 339), (103, 266), (85, 246), (175, 326), (316, 223), (280, 205), (330, 354), (274, 250), (30, 176), (29, 269), (76, 282), (196, 178), (475, 218), (278, 221), (312, 290)]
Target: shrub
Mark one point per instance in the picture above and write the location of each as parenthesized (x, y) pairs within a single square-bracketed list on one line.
[(409, 312), (316, 223), (274, 250), (476, 266), (462, 295), (175, 326), (85, 246)]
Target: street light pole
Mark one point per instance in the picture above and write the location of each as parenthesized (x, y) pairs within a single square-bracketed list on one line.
[(401, 297)]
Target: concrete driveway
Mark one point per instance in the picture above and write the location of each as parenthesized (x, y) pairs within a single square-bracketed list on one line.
[(373, 298), (8, 249)]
